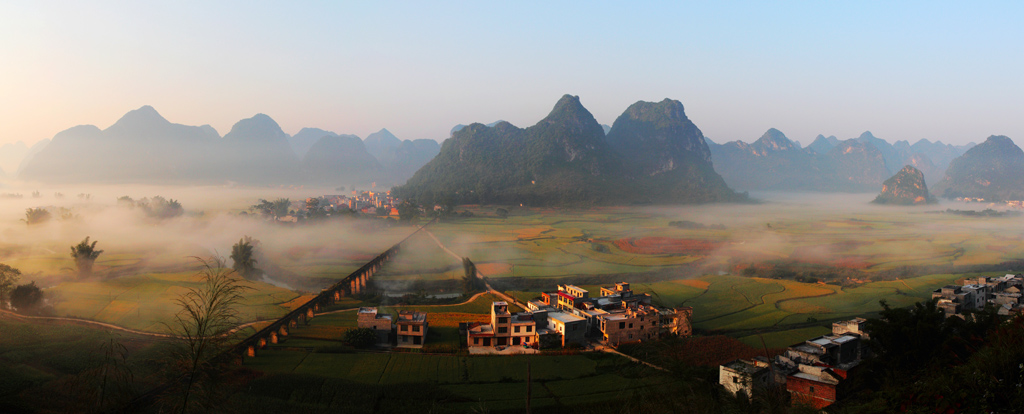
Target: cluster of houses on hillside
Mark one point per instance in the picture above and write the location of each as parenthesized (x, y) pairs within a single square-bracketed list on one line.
[(566, 317), (814, 372), (976, 293)]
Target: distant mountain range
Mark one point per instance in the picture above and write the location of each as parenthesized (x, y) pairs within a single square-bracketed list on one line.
[(652, 154), (774, 162), (143, 147), (992, 170)]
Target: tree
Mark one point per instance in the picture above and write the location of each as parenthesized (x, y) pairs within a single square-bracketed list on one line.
[(26, 298), (470, 281), (408, 211), (312, 205), (36, 215), (206, 316), (85, 255), (280, 207), (8, 277), (161, 208), (243, 254), (360, 337), (502, 213)]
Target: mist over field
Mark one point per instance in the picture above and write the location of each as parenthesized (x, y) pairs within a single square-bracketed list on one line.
[(211, 223)]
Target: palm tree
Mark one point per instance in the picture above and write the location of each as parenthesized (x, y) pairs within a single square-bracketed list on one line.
[(243, 254), (85, 255)]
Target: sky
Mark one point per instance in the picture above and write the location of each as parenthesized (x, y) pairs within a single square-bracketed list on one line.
[(948, 71)]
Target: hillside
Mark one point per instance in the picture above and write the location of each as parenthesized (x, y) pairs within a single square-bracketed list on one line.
[(774, 162), (907, 187), (565, 159), (992, 170)]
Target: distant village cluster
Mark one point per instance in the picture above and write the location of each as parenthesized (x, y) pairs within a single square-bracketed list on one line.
[(362, 201), (568, 317), (377, 203), (1002, 292)]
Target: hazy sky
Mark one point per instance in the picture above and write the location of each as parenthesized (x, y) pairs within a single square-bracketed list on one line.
[(948, 71)]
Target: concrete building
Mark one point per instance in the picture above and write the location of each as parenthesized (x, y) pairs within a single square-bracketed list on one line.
[(815, 386), (505, 329), (1002, 292), (619, 315), (744, 375), (571, 328), (411, 329), (368, 318)]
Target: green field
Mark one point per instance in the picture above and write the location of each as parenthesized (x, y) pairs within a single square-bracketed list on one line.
[(35, 357), (492, 383)]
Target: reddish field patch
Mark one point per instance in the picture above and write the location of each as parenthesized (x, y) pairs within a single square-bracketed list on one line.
[(664, 245)]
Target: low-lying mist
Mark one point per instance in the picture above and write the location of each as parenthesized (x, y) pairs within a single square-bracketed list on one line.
[(211, 223)]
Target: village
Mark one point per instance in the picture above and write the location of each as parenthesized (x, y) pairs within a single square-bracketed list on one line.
[(814, 372), (567, 317)]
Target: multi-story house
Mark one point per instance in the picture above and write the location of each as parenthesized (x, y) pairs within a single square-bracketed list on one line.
[(411, 329), (505, 329)]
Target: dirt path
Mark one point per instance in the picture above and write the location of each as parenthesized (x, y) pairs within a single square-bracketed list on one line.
[(479, 274), (87, 322), (471, 298)]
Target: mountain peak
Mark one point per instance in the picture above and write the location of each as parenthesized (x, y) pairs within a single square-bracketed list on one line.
[(385, 137), (260, 127), (775, 140), (867, 135), (1001, 140), (569, 107), (143, 117), (907, 187)]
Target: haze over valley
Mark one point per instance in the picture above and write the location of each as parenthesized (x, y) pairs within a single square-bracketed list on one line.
[(505, 208)]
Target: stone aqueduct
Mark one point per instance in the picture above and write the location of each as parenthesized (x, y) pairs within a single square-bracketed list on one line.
[(350, 285)]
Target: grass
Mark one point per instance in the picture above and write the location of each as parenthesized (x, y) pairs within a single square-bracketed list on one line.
[(36, 355), (490, 382), (146, 301)]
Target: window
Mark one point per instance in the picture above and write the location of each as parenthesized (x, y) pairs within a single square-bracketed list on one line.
[(502, 320), (622, 325), (735, 380), (516, 329), (812, 389), (415, 328), (630, 336), (529, 328), (476, 341), (641, 319), (631, 325), (502, 329), (405, 328)]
